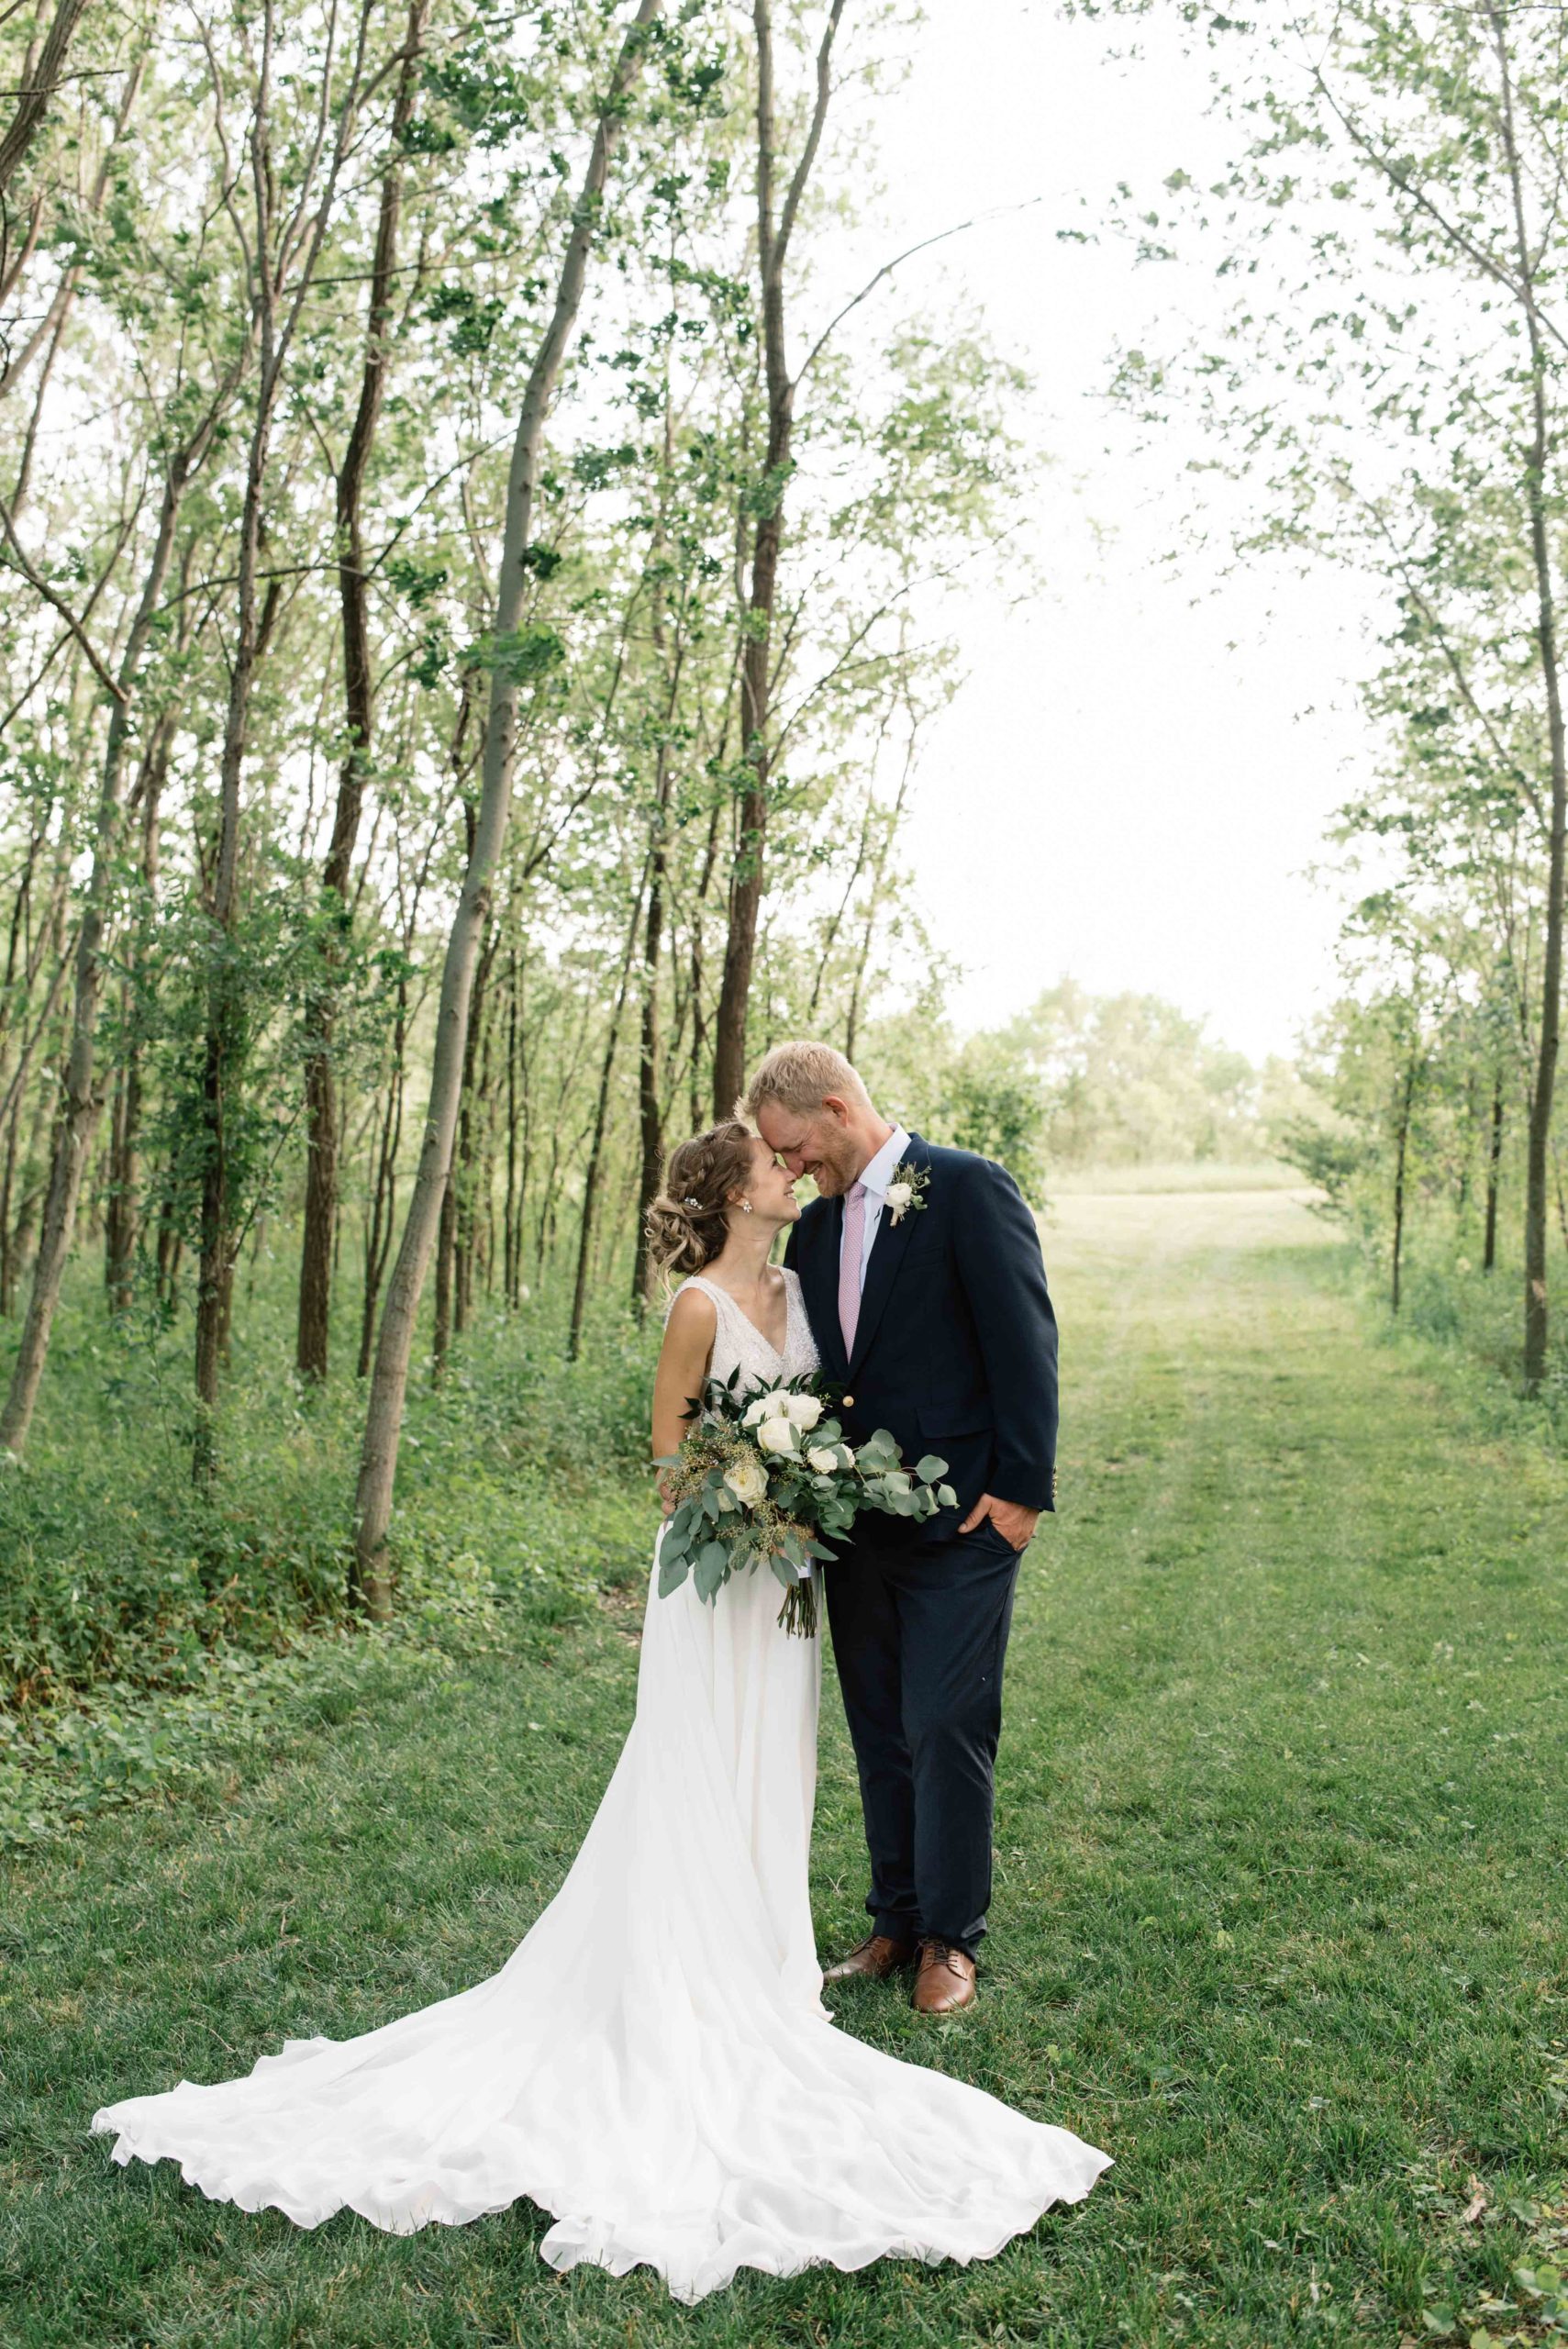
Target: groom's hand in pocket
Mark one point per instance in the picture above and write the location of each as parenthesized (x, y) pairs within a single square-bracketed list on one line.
[(1015, 1522)]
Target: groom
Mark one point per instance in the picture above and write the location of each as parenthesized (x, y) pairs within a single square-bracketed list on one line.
[(922, 1276)]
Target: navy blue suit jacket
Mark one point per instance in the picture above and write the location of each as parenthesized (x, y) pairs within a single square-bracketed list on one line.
[(955, 1346)]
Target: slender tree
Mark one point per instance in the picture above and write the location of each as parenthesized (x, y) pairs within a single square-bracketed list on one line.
[(776, 226), (593, 1171), (287, 245), (83, 1092), (322, 1106), (511, 655)]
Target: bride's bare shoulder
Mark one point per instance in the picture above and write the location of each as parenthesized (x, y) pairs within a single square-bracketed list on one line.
[(691, 1314)]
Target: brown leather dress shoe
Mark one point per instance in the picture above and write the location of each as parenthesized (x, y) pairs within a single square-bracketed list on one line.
[(945, 1980), (873, 1960)]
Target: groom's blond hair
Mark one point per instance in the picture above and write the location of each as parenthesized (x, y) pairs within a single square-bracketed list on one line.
[(800, 1077)]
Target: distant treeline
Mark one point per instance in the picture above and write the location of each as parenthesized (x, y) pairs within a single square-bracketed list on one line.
[(1081, 1080)]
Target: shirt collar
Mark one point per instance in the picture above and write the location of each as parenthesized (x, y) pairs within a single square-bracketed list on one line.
[(879, 1174)]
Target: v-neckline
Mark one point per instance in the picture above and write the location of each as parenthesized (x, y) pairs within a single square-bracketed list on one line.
[(779, 1353)]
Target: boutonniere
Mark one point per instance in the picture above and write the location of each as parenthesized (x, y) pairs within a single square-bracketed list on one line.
[(908, 1190)]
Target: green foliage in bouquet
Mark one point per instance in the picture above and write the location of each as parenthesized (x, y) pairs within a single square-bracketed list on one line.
[(763, 1477)]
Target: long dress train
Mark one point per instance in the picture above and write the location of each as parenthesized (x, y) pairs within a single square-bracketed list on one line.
[(653, 2065)]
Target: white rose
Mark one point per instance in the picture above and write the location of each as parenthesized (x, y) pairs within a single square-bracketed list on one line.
[(898, 1195), (804, 1410), (748, 1480), (776, 1435), (758, 1412), (822, 1459), (847, 1455)]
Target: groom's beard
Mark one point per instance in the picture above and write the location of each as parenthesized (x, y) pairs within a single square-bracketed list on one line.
[(832, 1181)]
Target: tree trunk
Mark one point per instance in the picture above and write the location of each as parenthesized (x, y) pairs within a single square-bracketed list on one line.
[(696, 974), (321, 1115), (82, 1098), (7, 1179), (1494, 1161), (1402, 1140), (472, 1157), (378, 1464), (454, 1234), (33, 1187), (121, 1223), (50, 327), (650, 1112), (1543, 1087), (526, 1149), (446, 1243), (596, 1146), (18, 952), (874, 897), (772, 245), (171, 1248), (510, 1214), (42, 84), (215, 1266), (225, 1016), (378, 1238)]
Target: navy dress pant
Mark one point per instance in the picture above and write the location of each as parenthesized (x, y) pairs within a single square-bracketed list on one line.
[(919, 1633)]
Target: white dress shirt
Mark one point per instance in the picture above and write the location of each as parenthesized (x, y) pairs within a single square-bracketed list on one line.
[(876, 1178)]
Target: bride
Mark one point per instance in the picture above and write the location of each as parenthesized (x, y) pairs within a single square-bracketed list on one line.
[(653, 2064)]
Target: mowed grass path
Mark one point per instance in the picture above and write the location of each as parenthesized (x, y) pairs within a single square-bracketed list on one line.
[(1279, 1918)]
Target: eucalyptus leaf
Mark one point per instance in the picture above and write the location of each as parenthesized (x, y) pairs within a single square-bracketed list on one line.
[(672, 1571), (712, 1565)]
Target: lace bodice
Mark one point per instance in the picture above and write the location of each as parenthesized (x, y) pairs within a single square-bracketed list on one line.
[(738, 1342)]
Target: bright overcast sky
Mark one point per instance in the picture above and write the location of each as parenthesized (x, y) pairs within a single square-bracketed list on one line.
[(1131, 784)]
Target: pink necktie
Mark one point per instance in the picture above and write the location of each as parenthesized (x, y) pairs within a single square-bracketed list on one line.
[(849, 1263)]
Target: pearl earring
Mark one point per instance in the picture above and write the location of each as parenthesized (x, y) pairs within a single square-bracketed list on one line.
[(745, 1207)]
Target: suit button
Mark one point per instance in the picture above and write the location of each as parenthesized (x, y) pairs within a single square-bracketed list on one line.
[(848, 1402)]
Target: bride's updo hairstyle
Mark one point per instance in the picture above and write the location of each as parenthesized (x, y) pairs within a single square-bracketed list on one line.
[(686, 1223)]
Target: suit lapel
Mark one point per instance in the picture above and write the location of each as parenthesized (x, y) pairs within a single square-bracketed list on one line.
[(886, 1255), (819, 1284)]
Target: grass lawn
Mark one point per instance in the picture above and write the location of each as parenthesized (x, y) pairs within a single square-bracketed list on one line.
[(1279, 1920)]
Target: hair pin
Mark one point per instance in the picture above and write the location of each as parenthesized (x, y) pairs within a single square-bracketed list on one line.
[(691, 1205)]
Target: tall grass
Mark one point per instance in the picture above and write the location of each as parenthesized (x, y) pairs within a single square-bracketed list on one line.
[(139, 1615)]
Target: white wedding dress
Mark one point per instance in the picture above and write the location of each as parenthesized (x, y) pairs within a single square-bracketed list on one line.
[(653, 2065)]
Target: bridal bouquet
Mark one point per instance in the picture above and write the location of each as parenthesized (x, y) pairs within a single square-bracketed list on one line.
[(763, 1477)]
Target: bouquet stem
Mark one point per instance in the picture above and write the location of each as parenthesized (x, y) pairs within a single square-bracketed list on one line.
[(798, 1613)]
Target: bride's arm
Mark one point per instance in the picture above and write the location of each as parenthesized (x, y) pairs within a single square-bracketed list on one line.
[(683, 1370)]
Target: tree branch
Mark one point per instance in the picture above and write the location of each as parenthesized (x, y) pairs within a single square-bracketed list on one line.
[(897, 262), (57, 603)]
